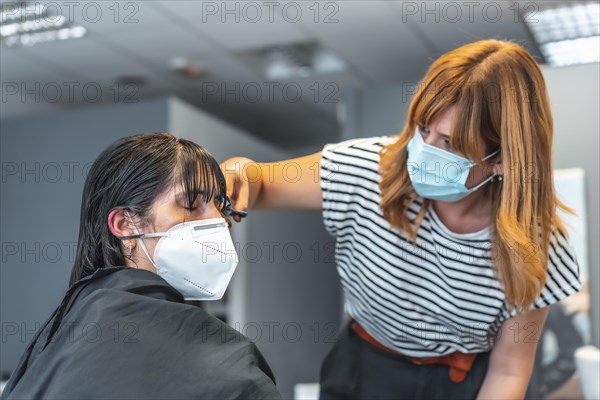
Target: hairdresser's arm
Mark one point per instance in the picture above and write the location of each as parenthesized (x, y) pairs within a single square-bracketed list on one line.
[(513, 356), (291, 184)]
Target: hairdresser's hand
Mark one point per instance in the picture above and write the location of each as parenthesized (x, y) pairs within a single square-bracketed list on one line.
[(252, 185), (238, 188)]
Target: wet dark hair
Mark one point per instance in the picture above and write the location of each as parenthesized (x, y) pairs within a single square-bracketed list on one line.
[(130, 174)]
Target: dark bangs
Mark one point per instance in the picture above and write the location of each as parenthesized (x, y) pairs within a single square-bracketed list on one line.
[(199, 175)]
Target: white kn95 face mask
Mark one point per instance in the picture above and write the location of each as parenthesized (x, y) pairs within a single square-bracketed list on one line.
[(198, 258)]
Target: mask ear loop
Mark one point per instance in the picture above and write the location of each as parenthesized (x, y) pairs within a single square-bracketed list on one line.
[(490, 155), (483, 182), (142, 244), (489, 179), (498, 177)]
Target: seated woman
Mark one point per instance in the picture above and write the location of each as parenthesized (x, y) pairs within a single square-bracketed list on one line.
[(153, 233)]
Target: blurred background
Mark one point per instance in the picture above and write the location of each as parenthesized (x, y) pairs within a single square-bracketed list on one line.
[(267, 80)]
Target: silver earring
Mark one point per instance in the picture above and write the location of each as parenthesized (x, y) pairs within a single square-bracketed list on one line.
[(130, 251)]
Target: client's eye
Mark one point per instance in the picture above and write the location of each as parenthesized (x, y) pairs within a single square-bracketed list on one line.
[(194, 206), (423, 130)]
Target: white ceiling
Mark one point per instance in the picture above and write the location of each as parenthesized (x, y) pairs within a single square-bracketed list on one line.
[(383, 42)]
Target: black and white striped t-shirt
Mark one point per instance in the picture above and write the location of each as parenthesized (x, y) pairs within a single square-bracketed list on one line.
[(438, 296)]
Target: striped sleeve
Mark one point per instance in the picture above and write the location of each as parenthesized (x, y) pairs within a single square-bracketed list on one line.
[(328, 170), (563, 276), (349, 174)]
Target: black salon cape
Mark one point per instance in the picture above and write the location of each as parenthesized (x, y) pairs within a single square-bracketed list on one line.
[(125, 333)]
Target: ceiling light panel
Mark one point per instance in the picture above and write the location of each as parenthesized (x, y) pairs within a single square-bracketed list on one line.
[(568, 32)]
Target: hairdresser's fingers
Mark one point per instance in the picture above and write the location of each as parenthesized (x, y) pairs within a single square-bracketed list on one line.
[(232, 179), (229, 181), (240, 203), (238, 189)]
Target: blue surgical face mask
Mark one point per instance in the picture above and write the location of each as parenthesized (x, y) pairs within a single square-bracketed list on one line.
[(438, 174)]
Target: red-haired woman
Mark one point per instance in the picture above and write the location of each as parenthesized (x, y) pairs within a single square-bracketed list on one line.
[(448, 242)]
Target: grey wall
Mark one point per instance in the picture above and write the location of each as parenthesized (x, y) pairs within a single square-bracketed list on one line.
[(376, 111), (44, 162), (574, 96), (294, 300), (220, 138)]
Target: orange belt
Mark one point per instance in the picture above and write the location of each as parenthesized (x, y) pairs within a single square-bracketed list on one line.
[(460, 363)]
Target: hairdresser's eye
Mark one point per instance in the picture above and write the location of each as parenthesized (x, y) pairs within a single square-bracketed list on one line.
[(423, 130), (451, 149), (448, 146)]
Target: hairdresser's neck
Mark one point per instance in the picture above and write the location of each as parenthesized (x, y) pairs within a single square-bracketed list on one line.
[(473, 211)]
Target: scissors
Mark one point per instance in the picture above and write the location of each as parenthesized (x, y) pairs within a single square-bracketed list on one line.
[(231, 212)]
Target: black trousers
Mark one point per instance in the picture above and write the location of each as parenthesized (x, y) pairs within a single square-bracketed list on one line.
[(355, 369)]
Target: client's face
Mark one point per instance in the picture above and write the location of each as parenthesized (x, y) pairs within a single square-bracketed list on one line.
[(169, 209)]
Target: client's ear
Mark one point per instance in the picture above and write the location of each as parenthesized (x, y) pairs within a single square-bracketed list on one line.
[(119, 223)]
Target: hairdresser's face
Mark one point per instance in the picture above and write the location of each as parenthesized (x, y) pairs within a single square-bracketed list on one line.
[(438, 134), (169, 209)]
